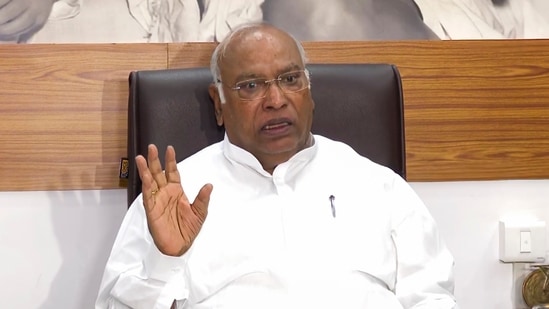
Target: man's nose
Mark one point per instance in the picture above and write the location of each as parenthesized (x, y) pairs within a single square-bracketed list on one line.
[(275, 97)]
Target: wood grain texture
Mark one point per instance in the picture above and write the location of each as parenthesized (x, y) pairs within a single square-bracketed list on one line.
[(474, 110), (189, 55), (63, 113)]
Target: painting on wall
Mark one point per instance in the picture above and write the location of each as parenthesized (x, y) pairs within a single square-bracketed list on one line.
[(142, 21)]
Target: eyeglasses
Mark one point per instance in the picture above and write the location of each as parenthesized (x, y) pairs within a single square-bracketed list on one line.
[(253, 89)]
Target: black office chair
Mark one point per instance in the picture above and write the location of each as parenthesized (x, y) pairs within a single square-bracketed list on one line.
[(359, 104)]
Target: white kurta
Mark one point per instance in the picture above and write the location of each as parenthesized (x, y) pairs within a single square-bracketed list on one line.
[(272, 241), (63, 9), (481, 19), (181, 20), (222, 16)]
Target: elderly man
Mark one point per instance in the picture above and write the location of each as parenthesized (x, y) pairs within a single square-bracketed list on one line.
[(119, 21), (192, 20), (273, 216), (336, 20), (331, 20), (485, 19)]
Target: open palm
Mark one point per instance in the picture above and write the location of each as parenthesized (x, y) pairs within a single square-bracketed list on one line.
[(173, 221)]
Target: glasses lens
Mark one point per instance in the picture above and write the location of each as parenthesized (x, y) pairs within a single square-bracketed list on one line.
[(289, 82), (251, 89), (292, 81)]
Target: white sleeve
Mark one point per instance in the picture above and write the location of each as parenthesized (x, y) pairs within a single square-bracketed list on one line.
[(424, 264), (137, 275), (143, 11), (221, 16), (64, 9), (457, 20), (167, 20), (179, 22)]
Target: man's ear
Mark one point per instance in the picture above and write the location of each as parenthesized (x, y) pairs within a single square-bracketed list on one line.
[(216, 98)]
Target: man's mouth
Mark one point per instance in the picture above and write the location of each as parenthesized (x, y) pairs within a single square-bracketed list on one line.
[(276, 126)]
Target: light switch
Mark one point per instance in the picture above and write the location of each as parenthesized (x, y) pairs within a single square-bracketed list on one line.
[(525, 242), (522, 242)]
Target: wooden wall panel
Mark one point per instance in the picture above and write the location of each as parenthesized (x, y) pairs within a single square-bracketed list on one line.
[(189, 55), (63, 113), (473, 109)]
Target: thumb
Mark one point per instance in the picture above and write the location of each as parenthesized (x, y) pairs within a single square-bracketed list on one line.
[(202, 200)]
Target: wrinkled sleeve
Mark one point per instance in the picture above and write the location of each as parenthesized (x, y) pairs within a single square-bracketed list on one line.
[(65, 9), (144, 12), (244, 11), (424, 264), (458, 20), (178, 21), (167, 20), (221, 16), (137, 275)]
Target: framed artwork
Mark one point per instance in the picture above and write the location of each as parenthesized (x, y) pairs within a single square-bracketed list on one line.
[(154, 21)]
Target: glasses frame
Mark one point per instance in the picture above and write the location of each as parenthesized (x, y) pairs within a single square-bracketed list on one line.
[(268, 82)]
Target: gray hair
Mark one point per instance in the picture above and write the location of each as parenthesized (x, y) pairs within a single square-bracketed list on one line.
[(220, 49)]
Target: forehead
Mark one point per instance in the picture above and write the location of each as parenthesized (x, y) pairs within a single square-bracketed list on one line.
[(259, 52)]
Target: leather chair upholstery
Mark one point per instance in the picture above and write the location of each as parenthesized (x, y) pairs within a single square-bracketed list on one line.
[(359, 104)]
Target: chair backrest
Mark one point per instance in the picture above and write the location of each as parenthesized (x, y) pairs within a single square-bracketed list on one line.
[(359, 104)]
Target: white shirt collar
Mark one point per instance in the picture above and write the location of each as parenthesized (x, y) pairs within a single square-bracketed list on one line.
[(240, 156)]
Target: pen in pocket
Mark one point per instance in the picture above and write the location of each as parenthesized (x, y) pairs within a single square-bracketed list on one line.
[(332, 205)]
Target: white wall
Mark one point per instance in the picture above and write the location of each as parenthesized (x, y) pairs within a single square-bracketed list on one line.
[(468, 214), (53, 245)]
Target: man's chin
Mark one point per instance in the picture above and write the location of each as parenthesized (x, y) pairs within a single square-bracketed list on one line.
[(283, 147)]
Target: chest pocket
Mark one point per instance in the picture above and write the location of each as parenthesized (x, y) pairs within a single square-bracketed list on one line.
[(360, 240)]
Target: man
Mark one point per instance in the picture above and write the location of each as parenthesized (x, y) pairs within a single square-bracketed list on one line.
[(273, 216), (192, 20), (335, 20), (340, 20), (79, 21), (486, 19), (140, 21)]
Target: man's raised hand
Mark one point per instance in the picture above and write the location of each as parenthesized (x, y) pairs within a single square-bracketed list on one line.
[(173, 221)]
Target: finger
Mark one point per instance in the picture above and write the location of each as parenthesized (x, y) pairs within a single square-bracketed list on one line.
[(155, 167), (202, 200), (172, 174), (147, 182)]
